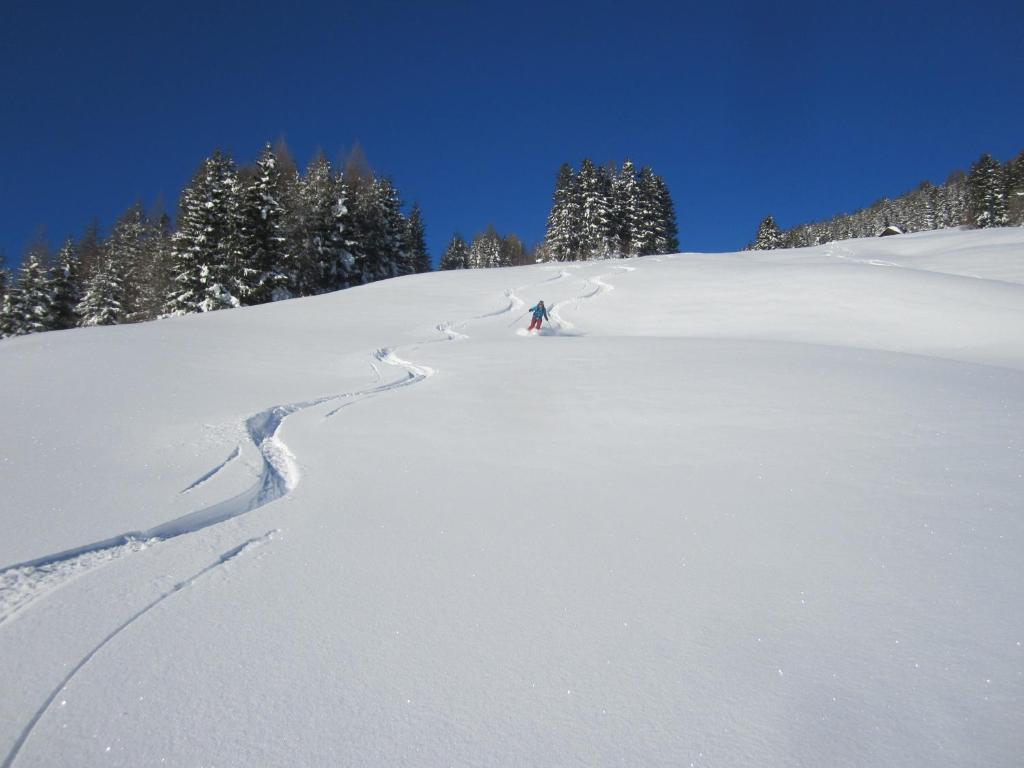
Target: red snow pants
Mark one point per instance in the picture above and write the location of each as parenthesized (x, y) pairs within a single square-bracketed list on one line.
[(535, 323)]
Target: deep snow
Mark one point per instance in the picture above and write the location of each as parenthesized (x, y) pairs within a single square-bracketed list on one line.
[(727, 509)]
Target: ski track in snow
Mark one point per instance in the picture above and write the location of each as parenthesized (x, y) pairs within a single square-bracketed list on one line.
[(209, 475), (846, 254), (22, 583), (223, 559), (599, 287)]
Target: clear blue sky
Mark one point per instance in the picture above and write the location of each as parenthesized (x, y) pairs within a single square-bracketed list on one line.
[(800, 110)]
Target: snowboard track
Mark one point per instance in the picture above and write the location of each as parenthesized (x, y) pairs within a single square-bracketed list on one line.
[(223, 559)]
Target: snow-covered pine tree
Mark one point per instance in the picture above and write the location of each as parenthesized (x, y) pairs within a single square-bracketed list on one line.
[(919, 209), (67, 287), (265, 266), (1015, 191), (416, 241), (626, 203), (592, 191), (326, 262), (7, 311), (649, 224), (33, 305), (205, 246), (395, 227), (290, 195), (769, 236), (668, 238), (485, 251), (124, 252), (339, 241), (562, 238), (986, 193), (9, 303), (6, 299), (378, 227), (456, 255), (101, 301)]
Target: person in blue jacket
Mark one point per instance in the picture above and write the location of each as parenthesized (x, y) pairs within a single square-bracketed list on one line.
[(539, 314)]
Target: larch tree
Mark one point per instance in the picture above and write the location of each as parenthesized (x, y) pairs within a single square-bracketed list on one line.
[(513, 251), (416, 242)]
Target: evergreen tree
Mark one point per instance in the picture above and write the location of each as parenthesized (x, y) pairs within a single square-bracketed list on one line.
[(10, 309), (291, 190), (67, 287), (769, 236), (124, 254), (378, 228), (264, 270), (6, 305), (5, 276), (416, 241), (592, 191), (101, 301), (315, 200), (1015, 191), (456, 255), (649, 235), (205, 255), (327, 262), (485, 251), (986, 193), (626, 198), (33, 301), (668, 240), (395, 227), (562, 238), (7, 313)]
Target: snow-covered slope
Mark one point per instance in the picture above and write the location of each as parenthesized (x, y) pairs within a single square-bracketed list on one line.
[(728, 509)]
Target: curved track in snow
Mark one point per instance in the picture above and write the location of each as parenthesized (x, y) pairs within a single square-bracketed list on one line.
[(226, 557), (279, 475), (22, 583), (599, 287)]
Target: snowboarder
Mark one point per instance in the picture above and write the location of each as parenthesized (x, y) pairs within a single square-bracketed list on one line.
[(539, 314)]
